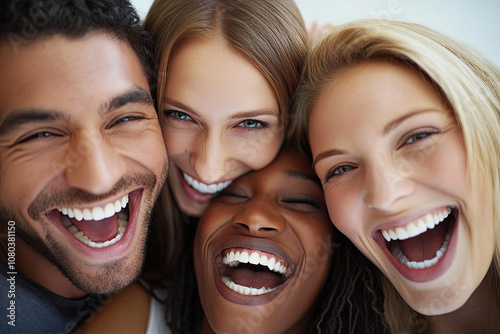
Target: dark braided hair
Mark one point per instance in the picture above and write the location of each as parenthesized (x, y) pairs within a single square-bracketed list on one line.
[(27, 21), (183, 311)]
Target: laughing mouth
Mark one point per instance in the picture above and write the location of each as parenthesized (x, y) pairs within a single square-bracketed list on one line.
[(205, 188), (111, 220), (421, 243), (252, 272)]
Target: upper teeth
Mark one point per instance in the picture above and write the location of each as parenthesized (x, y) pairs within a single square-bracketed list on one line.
[(235, 257), (96, 212), (205, 188), (417, 227)]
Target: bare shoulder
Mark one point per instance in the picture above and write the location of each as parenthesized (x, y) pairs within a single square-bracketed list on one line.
[(126, 312)]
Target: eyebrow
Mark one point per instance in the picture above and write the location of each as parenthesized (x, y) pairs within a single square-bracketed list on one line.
[(326, 154), (389, 127), (38, 115), (22, 116), (243, 114), (301, 176), (136, 95)]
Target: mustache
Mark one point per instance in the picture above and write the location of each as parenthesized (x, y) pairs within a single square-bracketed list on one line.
[(50, 199)]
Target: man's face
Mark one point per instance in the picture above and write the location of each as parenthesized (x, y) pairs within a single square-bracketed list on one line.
[(82, 157)]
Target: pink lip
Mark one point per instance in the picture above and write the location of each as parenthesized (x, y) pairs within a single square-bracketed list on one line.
[(250, 243), (114, 251), (191, 192), (427, 274)]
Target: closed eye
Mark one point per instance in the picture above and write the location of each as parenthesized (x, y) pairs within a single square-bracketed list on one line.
[(230, 195), (303, 201)]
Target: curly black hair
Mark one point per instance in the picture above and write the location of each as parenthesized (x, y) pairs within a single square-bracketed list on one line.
[(27, 21)]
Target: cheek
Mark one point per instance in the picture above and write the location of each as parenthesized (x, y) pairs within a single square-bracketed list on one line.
[(444, 166), (344, 211), (178, 143), (147, 149), (258, 151), (21, 181)]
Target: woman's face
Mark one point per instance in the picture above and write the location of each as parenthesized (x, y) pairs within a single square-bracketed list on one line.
[(262, 250), (221, 120), (392, 162)]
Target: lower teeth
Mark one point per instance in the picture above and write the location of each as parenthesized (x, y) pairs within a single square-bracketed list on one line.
[(245, 290), (122, 226), (398, 254)]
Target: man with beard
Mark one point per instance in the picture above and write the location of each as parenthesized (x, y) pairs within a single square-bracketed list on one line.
[(82, 158)]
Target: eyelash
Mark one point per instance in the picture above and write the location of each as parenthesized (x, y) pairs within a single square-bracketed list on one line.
[(259, 125), (126, 119), (41, 134), (339, 171), (336, 172), (426, 133), (178, 116), (303, 201), (174, 114), (228, 193)]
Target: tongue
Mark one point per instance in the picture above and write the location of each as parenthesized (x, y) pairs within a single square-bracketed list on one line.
[(98, 231), (424, 246), (255, 279)]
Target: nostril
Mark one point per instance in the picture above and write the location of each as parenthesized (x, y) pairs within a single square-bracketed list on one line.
[(244, 226), (268, 229)]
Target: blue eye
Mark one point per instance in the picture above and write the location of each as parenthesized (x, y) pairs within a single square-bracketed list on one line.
[(36, 136), (125, 119), (339, 171), (177, 115), (251, 124), (416, 137)]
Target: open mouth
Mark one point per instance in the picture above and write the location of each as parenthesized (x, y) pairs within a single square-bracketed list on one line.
[(97, 226), (423, 242), (205, 188), (252, 272)]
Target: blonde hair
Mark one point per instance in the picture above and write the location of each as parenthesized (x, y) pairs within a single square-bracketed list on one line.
[(270, 33), (468, 82)]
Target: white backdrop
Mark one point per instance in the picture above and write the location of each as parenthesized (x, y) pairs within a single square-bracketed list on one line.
[(474, 22)]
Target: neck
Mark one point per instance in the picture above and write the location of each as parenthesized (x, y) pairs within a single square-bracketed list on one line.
[(480, 314), (40, 270)]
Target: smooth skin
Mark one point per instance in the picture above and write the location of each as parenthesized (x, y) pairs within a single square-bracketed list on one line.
[(388, 152), (280, 210), (221, 120)]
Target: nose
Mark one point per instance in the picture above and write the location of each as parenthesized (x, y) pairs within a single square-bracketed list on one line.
[(211, 159), (260, 217), (93, 166), (385, 184)]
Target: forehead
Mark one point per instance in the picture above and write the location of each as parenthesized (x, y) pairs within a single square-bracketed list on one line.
[(67, 74), (213, 78), (375, 88), (289, 163)]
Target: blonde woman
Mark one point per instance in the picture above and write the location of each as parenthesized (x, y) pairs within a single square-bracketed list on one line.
[(403, 124)]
